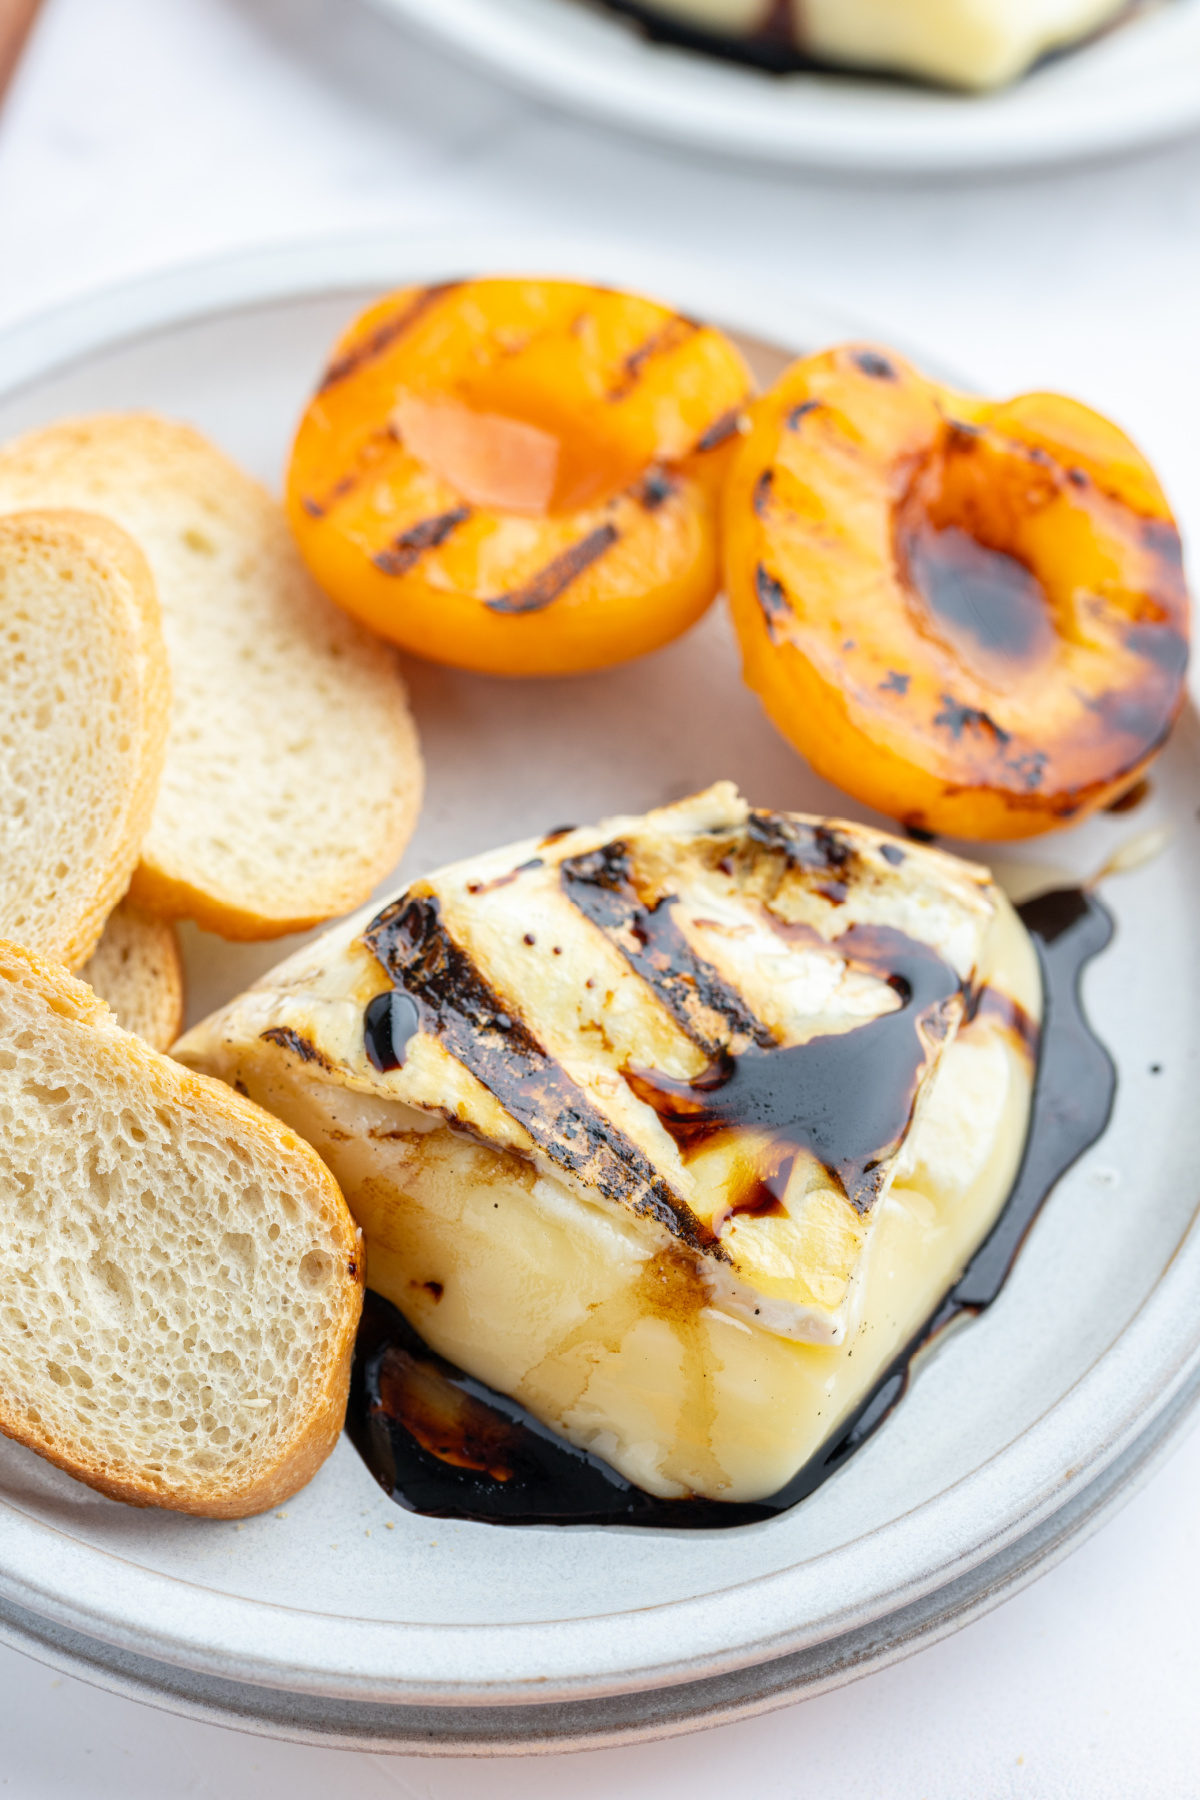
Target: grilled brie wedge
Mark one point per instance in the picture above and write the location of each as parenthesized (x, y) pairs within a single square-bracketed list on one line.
[(675, 1129)]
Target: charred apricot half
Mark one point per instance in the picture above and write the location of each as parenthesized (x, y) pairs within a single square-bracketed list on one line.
[(520, 477), (970, 615)]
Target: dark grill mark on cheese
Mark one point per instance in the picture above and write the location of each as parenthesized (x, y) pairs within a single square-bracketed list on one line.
[(499, 881), (546, 586), (669, 336), (846, 1099), (814, 849), (287, 1039), (406, 550), (457, 1006), (712, 1013), (385, 334)]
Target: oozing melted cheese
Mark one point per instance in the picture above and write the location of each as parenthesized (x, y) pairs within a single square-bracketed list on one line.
[(716, 1364), (967, 43)]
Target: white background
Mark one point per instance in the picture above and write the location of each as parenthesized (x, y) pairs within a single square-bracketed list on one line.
[(140, 132)]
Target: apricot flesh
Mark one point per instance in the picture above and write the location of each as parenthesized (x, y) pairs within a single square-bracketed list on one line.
[(517, 476), (970, 615)]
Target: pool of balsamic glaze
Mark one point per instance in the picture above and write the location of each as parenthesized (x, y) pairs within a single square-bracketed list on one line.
[(467, 1452)]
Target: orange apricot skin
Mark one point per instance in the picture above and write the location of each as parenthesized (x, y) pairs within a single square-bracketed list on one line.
[(858, 476), (644, 407)]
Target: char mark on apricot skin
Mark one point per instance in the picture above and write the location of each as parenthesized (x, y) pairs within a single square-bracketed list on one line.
[(801, 412), (721, 430), (406, 550), (1162, 539), (895, 682), (675, 331), (654, 489), (385, 334), (958, 718), (762, 493), (601, 885), (459, 1008), (872, 364), (546, 586), (300, 1046), (1161, 645), (772, 599)]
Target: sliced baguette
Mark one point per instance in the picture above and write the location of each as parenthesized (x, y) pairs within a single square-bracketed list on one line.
[(84, 705), (180, 1280), (137, 970), (293, 775)]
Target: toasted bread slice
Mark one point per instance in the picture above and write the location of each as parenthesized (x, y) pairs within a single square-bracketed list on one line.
[(293, 775), (180, 1278), (137, 970), (84, 704)]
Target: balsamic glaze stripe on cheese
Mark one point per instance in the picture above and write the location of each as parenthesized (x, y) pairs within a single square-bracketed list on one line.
[(459, 1008), (600, 884), (846, 1099), (441, 1443)]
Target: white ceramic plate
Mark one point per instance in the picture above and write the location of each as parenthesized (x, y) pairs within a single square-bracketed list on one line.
[(1140, 84), (345, 1617)]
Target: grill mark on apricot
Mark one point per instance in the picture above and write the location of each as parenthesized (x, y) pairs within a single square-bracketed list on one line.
[(772, 599), (957, 718), (725, 426), (459, 1007), (385, 334), (556, 577), (654, 489), (406, 550), (669, 336)]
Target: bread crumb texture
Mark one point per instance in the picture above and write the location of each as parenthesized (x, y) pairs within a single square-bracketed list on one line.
[(84, 689), (293, 775), (137, 969), (180, 1280)]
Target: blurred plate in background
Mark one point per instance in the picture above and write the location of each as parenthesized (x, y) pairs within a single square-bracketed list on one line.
[(1137, 85)]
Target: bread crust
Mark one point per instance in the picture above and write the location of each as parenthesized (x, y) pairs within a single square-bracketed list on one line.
[(123, 581), (229, 1494), (153, 476)]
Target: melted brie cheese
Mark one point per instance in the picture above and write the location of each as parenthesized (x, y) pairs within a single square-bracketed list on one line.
[(965, 43), (584, 1184)]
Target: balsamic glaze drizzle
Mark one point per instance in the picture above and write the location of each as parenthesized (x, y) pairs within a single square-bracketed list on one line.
[(443, 1444)]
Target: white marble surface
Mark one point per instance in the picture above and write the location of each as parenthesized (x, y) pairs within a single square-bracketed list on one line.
[(140, 132)]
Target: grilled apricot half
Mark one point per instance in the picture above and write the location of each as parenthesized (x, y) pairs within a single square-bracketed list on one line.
[(520, 477), (968, 614)]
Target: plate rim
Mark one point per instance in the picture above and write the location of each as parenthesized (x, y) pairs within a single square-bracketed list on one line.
[(678, 96), (1020, 1495)]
